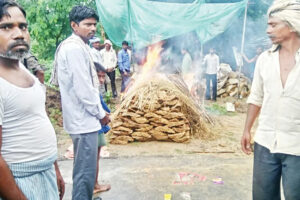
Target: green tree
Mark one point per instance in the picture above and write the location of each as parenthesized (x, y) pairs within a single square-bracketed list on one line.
[(49, 23)]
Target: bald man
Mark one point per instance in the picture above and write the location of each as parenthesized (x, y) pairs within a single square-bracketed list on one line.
[(275, 97)]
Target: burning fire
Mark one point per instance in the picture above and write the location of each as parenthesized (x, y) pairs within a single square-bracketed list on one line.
[(152, 61), (153, 58)]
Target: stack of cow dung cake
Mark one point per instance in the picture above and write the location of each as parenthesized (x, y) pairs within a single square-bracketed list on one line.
[(159, 109)]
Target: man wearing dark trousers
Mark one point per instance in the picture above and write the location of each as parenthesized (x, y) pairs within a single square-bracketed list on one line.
[(212, 63), (81, 107), (275, 97)]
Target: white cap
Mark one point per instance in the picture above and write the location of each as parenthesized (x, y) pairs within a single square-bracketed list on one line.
[(108, 42), (94, 39)]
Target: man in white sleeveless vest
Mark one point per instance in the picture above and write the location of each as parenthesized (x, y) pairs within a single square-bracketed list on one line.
[(81, 107), (28, 150)]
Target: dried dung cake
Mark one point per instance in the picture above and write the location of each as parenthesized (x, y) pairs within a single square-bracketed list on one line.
[(160, 109)]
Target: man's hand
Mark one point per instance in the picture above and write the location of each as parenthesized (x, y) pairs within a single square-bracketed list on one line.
[(104, 121), (40, 75), (60, 182), (125, 73), (245, 142)]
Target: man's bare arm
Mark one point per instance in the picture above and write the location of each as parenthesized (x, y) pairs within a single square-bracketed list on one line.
[(253, 111), (8, 187), (60, 181)]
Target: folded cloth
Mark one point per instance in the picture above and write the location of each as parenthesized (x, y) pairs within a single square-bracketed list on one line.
[(104, 129), (36, 179)]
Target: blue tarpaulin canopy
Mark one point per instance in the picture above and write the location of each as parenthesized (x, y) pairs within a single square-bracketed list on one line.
[(143, 22)]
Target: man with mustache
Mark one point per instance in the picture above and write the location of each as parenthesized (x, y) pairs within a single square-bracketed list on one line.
[(81, 107), (275, 97), (28, 151)]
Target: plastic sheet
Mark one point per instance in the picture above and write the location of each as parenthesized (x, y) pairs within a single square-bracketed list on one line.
[(143, 22)]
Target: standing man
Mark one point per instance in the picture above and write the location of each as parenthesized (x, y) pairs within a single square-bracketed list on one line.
[(187, 62), (81, 107), (124, 65), (251, 63), (95, 51), (109, 58), (212, 63), (275, 97), (28, 151)]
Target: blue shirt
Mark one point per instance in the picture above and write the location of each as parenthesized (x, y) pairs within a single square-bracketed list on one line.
[(105, 128), (124, 61)]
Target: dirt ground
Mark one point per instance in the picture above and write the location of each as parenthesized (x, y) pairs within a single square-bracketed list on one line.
[(147, 170), (227, 129)]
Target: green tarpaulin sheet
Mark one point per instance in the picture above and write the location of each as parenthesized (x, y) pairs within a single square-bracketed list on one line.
[(143, 22)]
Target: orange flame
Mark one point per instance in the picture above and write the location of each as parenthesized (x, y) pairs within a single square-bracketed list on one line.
[(153, 58), (152, 61)]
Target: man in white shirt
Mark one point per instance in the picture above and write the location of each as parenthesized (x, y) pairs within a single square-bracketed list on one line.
[(95, 51), (187, 62), (81, 107), (212, 63), (109, 58), (28, 150), (275, 97)]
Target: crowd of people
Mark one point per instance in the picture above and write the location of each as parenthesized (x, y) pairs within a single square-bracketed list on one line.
[(28, 146)]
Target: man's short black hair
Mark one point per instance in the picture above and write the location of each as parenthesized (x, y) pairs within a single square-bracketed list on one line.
[(79, 13), (125, 43), (5, 4), (99, 67)]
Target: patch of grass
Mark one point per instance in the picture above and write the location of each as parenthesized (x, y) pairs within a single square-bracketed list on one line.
[(144, 153), (54, 115), (179, 151), (135, 143), (216, 109)]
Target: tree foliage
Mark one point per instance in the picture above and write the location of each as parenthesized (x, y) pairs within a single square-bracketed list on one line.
[(49, 20), (49, 23)]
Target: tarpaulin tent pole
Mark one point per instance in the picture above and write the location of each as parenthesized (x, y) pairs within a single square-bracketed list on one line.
[(244, 29), (130, 29), (201, 51), (242, 48)]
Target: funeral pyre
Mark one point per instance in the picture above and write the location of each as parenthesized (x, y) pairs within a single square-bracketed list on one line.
[(232, 83), (159, 107)]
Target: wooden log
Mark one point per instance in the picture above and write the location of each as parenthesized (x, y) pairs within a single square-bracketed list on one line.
[(233, 81)]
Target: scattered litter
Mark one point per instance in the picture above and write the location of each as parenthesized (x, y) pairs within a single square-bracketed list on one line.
[(230, 107), (168, 197), (69, 154), (186, 196), (218, 181), (104, 153), (186, 178)]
